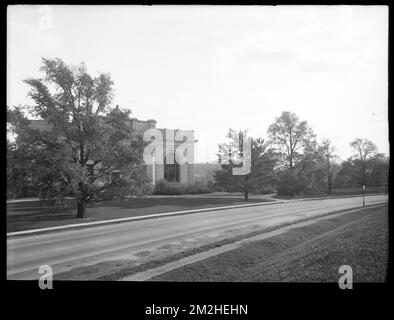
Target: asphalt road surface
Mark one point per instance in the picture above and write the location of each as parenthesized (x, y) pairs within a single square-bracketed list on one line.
[(69, 249)]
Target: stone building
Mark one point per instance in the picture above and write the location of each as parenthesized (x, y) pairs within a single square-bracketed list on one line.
[(168, 170)]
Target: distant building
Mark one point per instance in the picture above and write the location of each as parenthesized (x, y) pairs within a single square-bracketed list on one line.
[(169, 170)]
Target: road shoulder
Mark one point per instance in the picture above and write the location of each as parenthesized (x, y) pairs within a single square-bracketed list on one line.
[(121, 269), (309, 252)]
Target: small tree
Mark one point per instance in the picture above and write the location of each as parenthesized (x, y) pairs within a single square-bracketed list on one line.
[(89, 142), (232, 155), (327, 150), (364, 149)]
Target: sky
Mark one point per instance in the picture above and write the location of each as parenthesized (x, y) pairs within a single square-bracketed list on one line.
[(209, 68)]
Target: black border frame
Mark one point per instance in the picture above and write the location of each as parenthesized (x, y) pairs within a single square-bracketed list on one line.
[(134, 297)]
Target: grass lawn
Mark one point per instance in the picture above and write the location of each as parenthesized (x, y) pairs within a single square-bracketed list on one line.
[(34, 215), (312, 253)]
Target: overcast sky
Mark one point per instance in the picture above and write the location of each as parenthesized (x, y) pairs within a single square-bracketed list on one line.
[(209, 68)]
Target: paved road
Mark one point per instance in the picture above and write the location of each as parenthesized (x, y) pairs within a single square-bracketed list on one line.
[(69, 249)]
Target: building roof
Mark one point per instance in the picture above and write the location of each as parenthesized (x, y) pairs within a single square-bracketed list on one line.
[(41, 125), (139, 126)]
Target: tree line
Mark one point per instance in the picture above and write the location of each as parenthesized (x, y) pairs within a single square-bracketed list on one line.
[(91, 152), (292, 162)]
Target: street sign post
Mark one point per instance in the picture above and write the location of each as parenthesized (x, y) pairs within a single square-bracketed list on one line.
[(363, 195)]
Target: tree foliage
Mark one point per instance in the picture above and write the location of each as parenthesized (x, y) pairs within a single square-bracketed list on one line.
[(376, 172), (292, 138), (88, 142), (294, 142), (364, 151), (261, 176)]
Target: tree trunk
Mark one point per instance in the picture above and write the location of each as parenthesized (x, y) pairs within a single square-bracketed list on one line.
[(329, 174), (330, 184), (81, 210), (246, 195)]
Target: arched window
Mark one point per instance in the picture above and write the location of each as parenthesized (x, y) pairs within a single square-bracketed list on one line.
[(171, 170)]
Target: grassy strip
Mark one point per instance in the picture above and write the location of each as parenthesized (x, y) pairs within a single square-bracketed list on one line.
[(115, 270), (308, 254), (325, 196)]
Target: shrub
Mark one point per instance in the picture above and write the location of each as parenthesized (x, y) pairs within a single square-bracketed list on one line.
[(218, 188), (290, 184), (164, 187), (125, 188), (197, 188), (267, 190)]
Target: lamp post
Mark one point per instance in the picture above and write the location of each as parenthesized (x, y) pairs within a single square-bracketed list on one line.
[(363, 195)]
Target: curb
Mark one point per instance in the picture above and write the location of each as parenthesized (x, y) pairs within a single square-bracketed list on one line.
[(129, 219)]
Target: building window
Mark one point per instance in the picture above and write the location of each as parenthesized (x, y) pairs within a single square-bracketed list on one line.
[(171, 171)]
